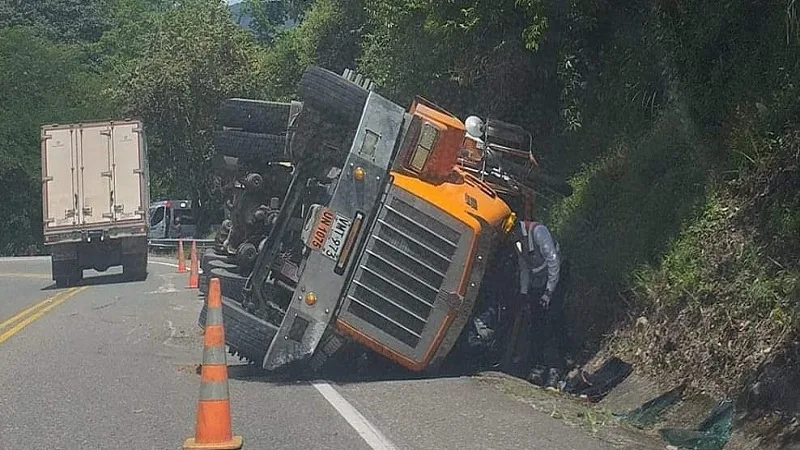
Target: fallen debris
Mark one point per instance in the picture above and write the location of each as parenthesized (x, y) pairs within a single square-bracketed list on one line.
[(650, 413), (712, 434), (596, 385)]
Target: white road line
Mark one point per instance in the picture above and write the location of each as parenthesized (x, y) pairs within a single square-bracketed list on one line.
[(160, 263), (24, 258), (163, 263), (363, 427)]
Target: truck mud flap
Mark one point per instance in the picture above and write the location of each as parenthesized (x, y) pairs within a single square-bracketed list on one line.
[(246, 335)]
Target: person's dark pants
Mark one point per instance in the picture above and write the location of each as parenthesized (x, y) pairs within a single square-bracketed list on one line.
[(548, 328)]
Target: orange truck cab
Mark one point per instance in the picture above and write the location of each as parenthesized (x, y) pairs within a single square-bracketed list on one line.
[(451, 220), (382, 240)]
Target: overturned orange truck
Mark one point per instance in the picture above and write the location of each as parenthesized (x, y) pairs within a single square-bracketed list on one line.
[(384, 232)]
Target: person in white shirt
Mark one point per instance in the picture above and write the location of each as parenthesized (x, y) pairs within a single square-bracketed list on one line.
[(540, 276)]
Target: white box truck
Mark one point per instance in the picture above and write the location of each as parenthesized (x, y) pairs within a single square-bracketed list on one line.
[(95, 195)]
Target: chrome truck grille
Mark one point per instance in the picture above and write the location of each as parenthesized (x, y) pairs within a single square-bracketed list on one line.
[(404, 268)]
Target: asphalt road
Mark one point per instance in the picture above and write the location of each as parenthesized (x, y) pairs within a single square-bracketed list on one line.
[(112, 364)]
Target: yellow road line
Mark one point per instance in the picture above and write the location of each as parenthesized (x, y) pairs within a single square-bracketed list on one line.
[(43, 307), (25, 275), (27, 311)]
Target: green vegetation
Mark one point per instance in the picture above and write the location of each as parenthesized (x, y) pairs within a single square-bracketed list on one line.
[(676, 121)]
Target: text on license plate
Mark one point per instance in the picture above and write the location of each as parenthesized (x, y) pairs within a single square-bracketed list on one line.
[(336, 237)]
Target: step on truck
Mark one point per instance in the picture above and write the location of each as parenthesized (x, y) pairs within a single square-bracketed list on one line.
[(95, 194), (383, 235)]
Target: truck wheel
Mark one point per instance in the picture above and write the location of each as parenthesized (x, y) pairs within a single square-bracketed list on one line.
[(246, 256), (208, 261), (231, 284), (208, 257), (333, 94), (246, 335), (328, 345), (257, 116), (221, 264), (66, 273), (134, 267), (253, 181), (250, 146)]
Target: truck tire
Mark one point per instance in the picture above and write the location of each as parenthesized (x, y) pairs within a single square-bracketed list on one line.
[(65, 282), (246, 256), (246, 335), (332, 94), (134, 267), (253, 181), (209, 256), (248, 146), (256, 116), (231, 284), (210, 260), (211, 265), (66, 273), (328, 345), (221, 264)]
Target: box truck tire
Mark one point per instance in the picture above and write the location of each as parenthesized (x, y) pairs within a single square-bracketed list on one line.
[(135, 268), (66, 273)]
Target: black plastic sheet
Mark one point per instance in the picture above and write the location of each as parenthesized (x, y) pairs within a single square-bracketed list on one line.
[(598, 384)]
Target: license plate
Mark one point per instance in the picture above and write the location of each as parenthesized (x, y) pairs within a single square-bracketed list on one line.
[(336, 237), (322, 220), (329, 232)]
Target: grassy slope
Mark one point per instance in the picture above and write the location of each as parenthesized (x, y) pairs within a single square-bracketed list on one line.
[(684, 242)]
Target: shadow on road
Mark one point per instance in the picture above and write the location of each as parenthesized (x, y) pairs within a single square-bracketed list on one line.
[(367, 369), (99, 280)]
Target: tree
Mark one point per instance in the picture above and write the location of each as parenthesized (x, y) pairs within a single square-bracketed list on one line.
[(270, 18), (472, 56), (67, 21), (194, 57), (40, 82)]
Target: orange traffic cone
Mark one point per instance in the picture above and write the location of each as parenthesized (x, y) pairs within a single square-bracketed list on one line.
[(181, 257), (213, 426), (194, 275)]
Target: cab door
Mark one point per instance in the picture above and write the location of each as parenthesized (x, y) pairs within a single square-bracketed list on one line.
[(158, 223)]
